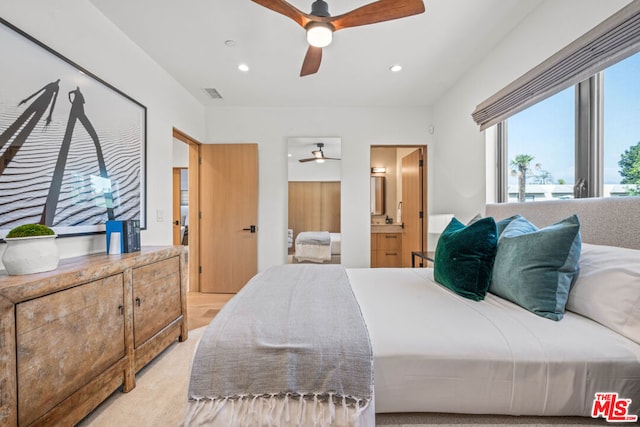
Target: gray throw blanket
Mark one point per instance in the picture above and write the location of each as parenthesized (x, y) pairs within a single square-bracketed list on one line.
[(293, 331), (321, 238)]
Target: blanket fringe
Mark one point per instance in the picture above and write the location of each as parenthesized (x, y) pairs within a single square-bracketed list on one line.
[(275, 410)]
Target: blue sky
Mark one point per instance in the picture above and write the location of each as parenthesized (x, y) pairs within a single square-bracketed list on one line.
[(546, 130)]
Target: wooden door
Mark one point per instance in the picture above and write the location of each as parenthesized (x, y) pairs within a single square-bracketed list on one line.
[(330, 207), (194, 208), (176, 206), (314, 206), (228, 225), (305, 207), (412, 205)]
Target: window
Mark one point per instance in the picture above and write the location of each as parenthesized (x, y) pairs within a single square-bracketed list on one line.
[(540, 150), (622, 128), (581, 142)]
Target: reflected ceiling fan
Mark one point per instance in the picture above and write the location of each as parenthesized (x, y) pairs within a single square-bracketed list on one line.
[(320, 25), (318, 155)]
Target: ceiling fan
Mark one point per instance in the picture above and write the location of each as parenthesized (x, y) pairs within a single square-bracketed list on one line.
[(318, 155), (320, 25)]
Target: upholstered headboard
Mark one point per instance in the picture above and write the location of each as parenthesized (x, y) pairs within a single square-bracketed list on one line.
[(612, 221)]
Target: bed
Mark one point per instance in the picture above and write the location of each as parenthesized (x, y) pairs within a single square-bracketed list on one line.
[(317, 246), (432, 350)]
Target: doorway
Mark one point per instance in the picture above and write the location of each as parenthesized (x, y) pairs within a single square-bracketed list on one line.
[(398, 204), (193, 205), (180, 204), (227, 174)]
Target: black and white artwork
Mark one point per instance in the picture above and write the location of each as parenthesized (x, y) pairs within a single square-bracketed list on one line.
[(72, 147)]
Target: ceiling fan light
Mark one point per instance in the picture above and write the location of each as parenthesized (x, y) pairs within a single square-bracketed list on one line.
[(319, 160), (319, 34)]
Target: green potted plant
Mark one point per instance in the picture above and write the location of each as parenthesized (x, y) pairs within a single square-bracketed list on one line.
[(31, 248)]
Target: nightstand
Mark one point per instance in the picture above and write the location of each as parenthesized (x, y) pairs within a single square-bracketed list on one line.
[(429, 256)]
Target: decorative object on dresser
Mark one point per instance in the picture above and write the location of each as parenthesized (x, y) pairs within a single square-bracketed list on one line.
[(129, 235), (72, 337), (31, 248)]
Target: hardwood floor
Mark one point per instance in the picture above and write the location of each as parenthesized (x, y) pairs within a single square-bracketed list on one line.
[(201, 307)]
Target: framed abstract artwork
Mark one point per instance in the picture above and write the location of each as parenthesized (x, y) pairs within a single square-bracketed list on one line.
[(72, 147)]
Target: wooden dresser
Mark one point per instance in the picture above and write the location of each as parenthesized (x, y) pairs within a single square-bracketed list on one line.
[(71, 337)]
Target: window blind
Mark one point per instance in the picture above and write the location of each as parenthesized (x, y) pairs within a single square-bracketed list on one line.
[(613, 40)]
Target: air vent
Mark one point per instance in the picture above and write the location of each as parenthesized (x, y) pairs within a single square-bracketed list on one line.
[(214, 94)]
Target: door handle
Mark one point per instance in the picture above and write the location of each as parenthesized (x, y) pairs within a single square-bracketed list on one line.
[(176, 222), (251, 229)]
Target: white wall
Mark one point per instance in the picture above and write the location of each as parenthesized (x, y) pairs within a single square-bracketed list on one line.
[(359, 128), (77, 30), (457, 170), (180, 154), (459, 162)]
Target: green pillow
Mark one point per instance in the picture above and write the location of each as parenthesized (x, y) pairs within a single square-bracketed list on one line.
[(502, 224), (535, 268), (464, 257)]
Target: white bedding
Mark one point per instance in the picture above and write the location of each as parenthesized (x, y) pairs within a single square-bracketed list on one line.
[(437, 352), (336, 243), (312, 252)]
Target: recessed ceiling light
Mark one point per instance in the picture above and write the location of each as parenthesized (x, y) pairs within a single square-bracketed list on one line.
[(243, 67), (395, 68)]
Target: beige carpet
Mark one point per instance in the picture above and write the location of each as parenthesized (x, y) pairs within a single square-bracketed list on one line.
[(158, 400)]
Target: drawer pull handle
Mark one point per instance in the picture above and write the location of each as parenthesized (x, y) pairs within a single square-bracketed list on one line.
[(121, 309), (138, 301), (391, 253), (390, 237)]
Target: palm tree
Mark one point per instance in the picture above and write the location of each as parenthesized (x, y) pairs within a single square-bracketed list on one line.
[(520, 168), (544, 177)]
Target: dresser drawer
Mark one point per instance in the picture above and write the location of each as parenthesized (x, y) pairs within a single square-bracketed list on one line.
[(386, 250), (389, 241), (388, 258)]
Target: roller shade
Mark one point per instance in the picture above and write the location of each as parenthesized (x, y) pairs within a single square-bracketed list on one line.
[(615, 39)]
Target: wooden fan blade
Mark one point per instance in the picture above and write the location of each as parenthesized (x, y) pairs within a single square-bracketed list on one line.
[(379, 11), (308, 160), (286, 9), (311, 62)]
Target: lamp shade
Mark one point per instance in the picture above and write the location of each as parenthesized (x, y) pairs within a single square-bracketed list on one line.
[(437, 223)]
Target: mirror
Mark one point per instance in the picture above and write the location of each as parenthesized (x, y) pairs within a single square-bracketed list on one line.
[(377, 195), (314, 200)]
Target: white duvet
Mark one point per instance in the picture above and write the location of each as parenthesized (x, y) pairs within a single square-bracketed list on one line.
[(437, 352)]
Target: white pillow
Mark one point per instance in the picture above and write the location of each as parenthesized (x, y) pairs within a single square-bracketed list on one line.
[(607, 289)]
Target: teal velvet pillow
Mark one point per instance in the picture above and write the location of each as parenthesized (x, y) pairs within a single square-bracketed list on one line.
[(502, 224), (535, 268), (464, 257)]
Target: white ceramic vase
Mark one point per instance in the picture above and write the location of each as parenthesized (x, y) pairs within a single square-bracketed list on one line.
[(28, 255)]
